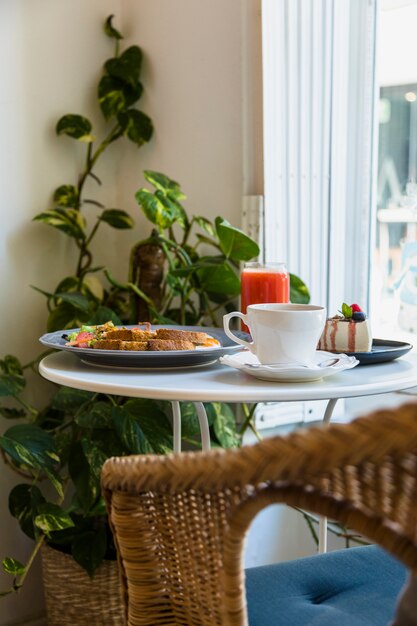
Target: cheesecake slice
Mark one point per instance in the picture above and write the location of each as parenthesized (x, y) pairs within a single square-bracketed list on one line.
[(349, 332)]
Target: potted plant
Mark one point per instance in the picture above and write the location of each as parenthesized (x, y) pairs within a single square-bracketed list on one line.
[(185, 271)]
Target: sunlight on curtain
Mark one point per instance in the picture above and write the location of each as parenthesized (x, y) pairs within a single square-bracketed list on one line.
[(318, 76)]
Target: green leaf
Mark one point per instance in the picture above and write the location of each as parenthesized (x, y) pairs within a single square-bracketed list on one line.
[(89, 549), (69, 221), (175, 283), (98, 510), (137, 126), (12, 566), (94, 455), (206, 225), (102, 315), (29, 445), (299, 293), (96, 415), (347, 310), (63, 440), (211, 411), (108, 441), (114, 95), (110, 30), (190, 425), (82, 524), (12, 414), (66, 196), (126, 66), (11, 385), (225, 425), (56, 481), (153, 423), (110, 96), (129, 431), (162, 182), (11, 365), (87, 487), (69, 283), (69, 400), (47, 294), (156, 211), (93, 288), (174, 208), (52, 517), (219, 277), (23, 505), (211, 242), (235, 244), (78, 301), (117, 218), (75, 126), (63, 316)]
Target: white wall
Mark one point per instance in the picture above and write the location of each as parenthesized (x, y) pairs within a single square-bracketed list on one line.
[(51, 55)]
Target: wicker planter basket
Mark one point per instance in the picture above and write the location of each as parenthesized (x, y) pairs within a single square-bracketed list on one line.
[(74, 599)]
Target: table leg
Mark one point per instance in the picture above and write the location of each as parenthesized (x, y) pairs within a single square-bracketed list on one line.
[(176, 425), (323, 520), (329, 410), (202, 419), (204, 426)]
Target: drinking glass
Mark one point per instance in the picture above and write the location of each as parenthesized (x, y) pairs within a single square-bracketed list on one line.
[(263, 283)]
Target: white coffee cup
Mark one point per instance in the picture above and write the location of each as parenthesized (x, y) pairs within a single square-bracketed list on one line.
[(281, 333)]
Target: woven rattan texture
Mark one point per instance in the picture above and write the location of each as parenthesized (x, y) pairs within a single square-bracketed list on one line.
[(74, 599), (180, 521)]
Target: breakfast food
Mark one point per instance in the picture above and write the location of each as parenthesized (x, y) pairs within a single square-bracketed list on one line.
[(178, 335), (118, 344), (170, 344), (349, 332), (110, 337), (126, 334)]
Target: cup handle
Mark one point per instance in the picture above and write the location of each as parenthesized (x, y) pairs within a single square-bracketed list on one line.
[(226, 322)]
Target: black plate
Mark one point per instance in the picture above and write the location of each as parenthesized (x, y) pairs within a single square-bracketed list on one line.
[(383, 350), (150, 359)]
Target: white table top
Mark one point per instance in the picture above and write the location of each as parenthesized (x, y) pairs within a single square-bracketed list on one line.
[(223, 384)]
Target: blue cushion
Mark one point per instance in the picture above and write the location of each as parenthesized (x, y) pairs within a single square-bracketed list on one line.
[(353, 587)]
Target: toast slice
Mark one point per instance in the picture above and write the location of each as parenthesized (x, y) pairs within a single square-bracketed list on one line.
[(133, 334), (181, 335), (167, 344), (118, 344)]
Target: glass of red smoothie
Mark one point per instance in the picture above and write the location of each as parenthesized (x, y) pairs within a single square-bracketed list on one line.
[(263, 283)]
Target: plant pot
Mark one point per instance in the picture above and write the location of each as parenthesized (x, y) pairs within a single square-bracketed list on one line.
[(74, 599)]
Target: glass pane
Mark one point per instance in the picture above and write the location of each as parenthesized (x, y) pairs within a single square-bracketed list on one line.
[(394, 266)]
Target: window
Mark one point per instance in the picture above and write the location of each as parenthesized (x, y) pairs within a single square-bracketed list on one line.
[(319, 100), (340, 151), (394, 260)]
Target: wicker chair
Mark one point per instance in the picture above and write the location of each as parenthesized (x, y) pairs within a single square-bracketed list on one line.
[(180, 521)]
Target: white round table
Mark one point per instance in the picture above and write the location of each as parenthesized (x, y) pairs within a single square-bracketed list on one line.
[(220, 383)]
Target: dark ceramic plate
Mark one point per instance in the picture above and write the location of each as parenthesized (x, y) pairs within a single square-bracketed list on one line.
[(382, 351), (125, 358)]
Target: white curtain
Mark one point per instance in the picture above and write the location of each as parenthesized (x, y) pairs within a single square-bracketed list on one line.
[(318, 108)]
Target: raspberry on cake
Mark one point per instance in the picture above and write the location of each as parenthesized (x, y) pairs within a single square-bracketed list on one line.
[(349, 332)]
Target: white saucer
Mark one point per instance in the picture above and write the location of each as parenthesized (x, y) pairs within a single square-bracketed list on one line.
[(245, 361)]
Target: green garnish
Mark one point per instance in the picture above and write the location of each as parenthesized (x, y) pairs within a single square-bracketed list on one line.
[(88, 329), (347, 311)]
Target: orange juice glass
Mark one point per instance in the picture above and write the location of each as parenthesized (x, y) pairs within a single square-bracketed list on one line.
[(262, 283)]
